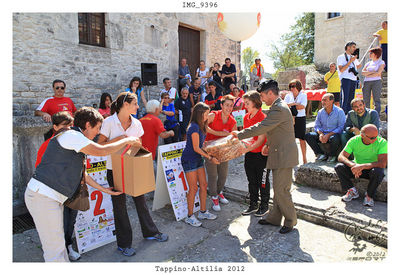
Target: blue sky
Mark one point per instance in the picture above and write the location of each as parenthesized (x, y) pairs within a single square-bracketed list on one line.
[(273, 25)]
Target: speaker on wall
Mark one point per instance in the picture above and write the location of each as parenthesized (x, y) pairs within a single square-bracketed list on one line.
[(149, 73)]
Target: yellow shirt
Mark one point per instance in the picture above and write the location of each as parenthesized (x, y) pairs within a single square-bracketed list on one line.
[(333, 83), (383, 34)]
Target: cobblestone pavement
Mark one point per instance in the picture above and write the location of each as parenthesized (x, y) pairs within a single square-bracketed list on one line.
[(230, 238)]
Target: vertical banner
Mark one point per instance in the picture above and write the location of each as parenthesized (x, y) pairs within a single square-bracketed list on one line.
[(171, 183), (95, 227)]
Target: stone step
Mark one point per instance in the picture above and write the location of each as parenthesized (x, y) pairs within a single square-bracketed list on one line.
[(323, 176), (319, 206), (384, 92)]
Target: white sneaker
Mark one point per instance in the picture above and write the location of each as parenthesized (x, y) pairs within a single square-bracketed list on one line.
[(351, 194), (222, 199), (206, 215), (192, 221), (72, 254), (368, 201), (215, 202)]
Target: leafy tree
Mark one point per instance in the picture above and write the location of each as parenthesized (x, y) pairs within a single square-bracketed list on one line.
[(302, 37), (248, 57), (295, 48)]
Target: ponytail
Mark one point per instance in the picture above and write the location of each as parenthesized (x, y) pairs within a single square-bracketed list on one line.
[(117, 104)]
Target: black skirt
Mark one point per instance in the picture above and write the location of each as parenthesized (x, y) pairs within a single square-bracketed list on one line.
[(300, 127)]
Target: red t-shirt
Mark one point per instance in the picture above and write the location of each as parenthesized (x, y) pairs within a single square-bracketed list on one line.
[(247, 122), (106, 111), (152, 127), (54, 105), (217, 125), (41, 151)]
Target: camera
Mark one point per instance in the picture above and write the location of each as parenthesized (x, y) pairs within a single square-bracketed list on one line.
[(357, 52), (353, 70)]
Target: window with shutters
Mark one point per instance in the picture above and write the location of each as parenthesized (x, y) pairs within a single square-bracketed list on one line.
[(91, 29)]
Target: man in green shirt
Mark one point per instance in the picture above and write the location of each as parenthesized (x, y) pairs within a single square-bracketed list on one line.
[(370, 158)]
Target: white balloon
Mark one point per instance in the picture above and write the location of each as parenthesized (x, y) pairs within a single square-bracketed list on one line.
[(239, 26)]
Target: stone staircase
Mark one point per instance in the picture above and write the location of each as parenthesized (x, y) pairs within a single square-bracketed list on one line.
[(384, 96)]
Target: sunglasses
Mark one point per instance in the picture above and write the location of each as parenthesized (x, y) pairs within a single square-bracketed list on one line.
[(125, 97), (372, 138), (59, 87), (292, 86)]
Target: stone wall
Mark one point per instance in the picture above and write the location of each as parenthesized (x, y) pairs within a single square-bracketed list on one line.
[(332, 34), (46, 46)]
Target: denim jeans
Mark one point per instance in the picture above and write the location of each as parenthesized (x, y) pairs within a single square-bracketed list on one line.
[(347, 94), (374, 87), (375, 176)]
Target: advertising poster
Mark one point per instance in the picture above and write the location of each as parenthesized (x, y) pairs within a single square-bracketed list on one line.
[(95, 227), (170, 174)]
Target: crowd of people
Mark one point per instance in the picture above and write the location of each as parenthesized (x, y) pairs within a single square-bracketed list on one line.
[(202, 109)]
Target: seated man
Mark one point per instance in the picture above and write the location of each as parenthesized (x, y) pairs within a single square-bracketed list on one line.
[(370, 158), (173, 95), (184, 74), (56, 103), (228, 73), (195, 92), (153, 127), (328, 127), (357, 118)]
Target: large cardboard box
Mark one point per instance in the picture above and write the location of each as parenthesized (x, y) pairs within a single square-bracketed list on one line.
[(133, 172)]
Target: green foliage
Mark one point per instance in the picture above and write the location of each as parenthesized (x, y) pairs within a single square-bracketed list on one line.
[(248, 57), (301, 37), (295, 48)]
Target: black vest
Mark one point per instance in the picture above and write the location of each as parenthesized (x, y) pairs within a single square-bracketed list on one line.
[(60, 169)]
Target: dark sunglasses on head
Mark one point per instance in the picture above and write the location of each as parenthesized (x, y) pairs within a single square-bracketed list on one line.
[(125, 97), (59, 87)]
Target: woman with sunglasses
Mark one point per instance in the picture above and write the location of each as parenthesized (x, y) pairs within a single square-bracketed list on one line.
[(119, 125), (298, 99)]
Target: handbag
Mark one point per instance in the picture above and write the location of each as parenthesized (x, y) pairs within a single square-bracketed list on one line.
[(293, 110), (80, 200)]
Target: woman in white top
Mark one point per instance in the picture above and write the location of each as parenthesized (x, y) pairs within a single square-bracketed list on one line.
[(44, 203), (373, 78), (203, 74), (119, 125), (298, 99)]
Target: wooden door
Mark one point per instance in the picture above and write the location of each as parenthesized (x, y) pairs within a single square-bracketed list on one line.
[(189, 48)]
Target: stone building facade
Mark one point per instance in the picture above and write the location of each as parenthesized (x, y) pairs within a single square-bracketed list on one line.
[(46, 47), (331, 34)]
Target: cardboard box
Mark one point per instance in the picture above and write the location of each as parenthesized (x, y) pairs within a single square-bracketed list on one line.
[(136, 166)]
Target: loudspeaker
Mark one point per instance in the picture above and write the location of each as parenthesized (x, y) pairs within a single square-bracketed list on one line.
[(149, 74)]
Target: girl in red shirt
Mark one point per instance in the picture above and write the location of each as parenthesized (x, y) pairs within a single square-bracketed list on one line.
[(60, 120), (254, 161), (105, 105), (220, 124)]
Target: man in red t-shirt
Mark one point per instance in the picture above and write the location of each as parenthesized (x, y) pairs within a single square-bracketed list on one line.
[(153, 127), (55, 104)]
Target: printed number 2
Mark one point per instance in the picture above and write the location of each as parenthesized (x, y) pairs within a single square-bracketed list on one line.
[(97, 211), (182, 177)]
